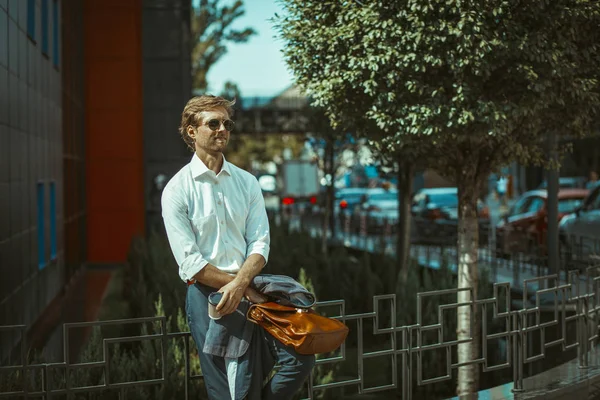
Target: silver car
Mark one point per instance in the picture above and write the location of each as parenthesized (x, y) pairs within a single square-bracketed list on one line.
[(580, 233)]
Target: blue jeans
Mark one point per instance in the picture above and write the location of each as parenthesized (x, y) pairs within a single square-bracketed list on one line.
[(292, 368)]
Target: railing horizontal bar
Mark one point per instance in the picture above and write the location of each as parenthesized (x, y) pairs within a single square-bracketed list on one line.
[(379, 388), (435, 380), (113, 322), (118, 385), (442, 345), (92, 364), (128, 339), (322, 361), (96, 388), (360, 316), (12, 327), (329, 303), (472, 362), (12, 394), (534, 358), (427, 328), (336, 384), (379, 353), (177, 335), (496, 367), (492, 336)]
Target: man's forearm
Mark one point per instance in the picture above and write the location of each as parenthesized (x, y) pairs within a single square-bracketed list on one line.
[(215, 278), (251, 267)]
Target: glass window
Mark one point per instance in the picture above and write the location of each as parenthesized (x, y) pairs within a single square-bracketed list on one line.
[(45, 27), (445, 199), (31, 19), (535, 205), (52, 221), (41, 226), (384, 196), (521, 206), (55, 38), (566, 206)]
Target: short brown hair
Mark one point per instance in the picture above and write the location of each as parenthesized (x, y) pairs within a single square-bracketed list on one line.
[(193, 108)]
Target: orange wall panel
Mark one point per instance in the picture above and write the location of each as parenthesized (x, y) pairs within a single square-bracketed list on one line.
[(107, 30), (119, 189), (118, 228), (108, 133), (113, 84), (114, 154)]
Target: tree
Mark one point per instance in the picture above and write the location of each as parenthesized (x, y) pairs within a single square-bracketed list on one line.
[(406, 158), (321, 128), (211, 32), (231, 91), (477, 83)]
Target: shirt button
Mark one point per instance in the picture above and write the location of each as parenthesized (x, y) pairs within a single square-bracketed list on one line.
[(219, 203), (221, 222)]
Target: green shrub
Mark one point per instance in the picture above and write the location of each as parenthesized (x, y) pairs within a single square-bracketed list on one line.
[(152, 287)]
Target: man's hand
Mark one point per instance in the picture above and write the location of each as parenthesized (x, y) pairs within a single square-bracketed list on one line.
[(255, 297), (232, 295)]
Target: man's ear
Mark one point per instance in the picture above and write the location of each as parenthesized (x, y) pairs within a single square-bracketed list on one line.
[(191, 133)]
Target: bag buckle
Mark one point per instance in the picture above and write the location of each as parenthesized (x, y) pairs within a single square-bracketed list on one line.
[(301, 310)]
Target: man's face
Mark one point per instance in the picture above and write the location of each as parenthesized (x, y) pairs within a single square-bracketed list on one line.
[(209, 141)]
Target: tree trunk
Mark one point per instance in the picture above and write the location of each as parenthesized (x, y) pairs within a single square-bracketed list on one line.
[(467, 316), (405, 183), (329, 217)]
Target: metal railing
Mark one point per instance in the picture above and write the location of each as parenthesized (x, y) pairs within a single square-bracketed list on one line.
[(573, 305)]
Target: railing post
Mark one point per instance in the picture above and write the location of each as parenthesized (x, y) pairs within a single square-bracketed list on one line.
[(407, 382), (582, 331), (45, 383), (186, 382), (517, 347)]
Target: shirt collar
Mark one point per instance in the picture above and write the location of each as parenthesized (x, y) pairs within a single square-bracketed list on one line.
[(199, 168)]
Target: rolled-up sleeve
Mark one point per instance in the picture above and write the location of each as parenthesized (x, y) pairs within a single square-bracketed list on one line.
[(258, 236), (181, 236)]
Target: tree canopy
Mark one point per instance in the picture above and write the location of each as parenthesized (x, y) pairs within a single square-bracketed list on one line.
[(491, 75), (212, 30)]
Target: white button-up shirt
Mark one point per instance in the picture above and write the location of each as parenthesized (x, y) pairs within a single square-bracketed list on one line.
[(214, 218)]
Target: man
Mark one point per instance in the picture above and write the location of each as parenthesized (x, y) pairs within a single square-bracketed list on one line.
[(217, 226)]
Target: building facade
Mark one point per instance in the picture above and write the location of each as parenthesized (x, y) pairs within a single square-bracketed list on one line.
[(78, 148)]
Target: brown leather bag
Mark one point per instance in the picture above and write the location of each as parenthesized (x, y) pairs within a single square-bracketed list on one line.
[(304, 329)]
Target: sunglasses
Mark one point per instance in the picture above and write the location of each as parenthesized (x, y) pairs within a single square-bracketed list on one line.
[(215, 124)]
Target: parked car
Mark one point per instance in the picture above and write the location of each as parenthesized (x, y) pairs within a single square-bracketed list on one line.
[(435, 216), (523, 229), (379, 207), (567, 182), (348, 205), (347, 199), (579, 232)]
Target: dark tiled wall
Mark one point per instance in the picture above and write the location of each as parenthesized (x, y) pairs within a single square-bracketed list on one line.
[(30, 153), (167, 87), (73, 100)]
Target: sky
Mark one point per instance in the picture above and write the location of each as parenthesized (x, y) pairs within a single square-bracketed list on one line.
[(257, 66)]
